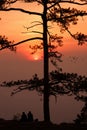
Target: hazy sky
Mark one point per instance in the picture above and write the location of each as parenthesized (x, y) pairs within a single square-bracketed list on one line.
[(22, 65)]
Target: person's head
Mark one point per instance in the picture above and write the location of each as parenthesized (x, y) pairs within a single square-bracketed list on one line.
[(23, 112)]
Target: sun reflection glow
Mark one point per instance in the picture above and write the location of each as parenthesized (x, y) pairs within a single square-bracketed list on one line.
[(36, 57), (26, 54)]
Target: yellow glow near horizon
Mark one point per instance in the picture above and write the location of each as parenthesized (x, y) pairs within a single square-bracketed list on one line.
[(28, 54), (37, 57), (13, 23)]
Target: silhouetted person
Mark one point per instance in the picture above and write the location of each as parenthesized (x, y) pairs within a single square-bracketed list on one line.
[(23, 117), (30, 116)]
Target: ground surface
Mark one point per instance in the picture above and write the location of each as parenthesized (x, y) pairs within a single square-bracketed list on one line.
[(13, 125)]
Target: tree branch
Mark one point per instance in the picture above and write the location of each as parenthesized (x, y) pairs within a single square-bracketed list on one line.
[(32, 26), (16, 44), (54, 4), (73, 2), (73, 15), (21, 10)]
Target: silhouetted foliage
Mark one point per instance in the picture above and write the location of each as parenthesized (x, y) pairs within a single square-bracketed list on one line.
[(64, 17), (82, 117), (60, 84), (53, 12), (5, 43)]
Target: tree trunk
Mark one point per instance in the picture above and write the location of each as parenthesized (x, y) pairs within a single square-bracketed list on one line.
[(46, 66)]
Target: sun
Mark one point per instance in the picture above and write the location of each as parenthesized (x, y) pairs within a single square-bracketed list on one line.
[(36, 57), (26, 53)]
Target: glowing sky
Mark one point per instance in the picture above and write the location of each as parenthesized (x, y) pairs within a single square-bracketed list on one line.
[(22, 65), (14, 24)]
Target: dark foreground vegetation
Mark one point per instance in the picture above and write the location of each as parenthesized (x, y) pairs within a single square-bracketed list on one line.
[(16, 125), (53, 14)]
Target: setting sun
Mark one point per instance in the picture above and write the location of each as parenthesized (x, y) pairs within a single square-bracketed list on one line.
[(43, 50), (26, 53), (36, 57)]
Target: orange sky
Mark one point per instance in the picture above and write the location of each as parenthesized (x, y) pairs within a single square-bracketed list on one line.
[(13, 25), (20, 65), (13, 22)]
